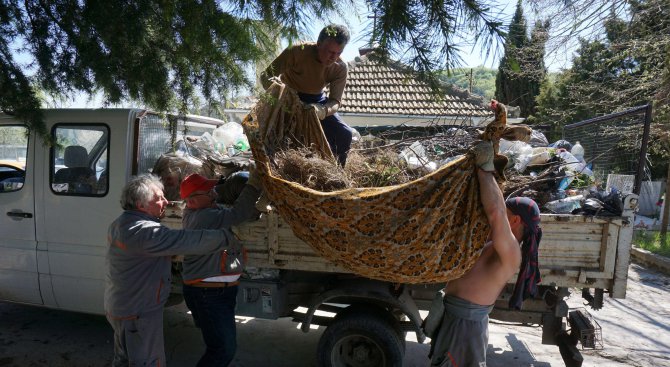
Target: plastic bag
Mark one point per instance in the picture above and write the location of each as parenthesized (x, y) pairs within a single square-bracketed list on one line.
[(539, 158), (241, 143), (561, 144), (605, 203), (415, 156), (565, 206), (574, 166), (518, 152), (537, 139), (228, 133), (355, 135)]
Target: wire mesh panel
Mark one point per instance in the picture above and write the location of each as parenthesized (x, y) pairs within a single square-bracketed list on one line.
[(585, 329), (155, 139), (615, 143)]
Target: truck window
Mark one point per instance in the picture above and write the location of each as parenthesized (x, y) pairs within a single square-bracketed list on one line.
[(79, 159), (13, 151), (156, 139)]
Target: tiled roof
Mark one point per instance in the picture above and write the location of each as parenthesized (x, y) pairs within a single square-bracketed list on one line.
[(373, 88)]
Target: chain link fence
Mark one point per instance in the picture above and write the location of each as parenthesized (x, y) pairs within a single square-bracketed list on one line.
[(615, 143)]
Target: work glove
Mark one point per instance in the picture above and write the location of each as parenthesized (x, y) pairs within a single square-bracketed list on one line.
[(483, 152), (254, 177), (318, 108), (263, 203)]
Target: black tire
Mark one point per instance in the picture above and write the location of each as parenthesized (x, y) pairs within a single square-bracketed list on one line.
[(360, 340)]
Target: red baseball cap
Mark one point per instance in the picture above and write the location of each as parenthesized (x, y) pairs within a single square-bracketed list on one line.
[(195, 182)]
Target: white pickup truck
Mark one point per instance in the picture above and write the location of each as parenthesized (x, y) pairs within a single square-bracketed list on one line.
[(57, 202)]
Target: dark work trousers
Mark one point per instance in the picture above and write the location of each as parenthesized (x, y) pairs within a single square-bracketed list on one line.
[(338, 133), (138, 341), (213, 311)]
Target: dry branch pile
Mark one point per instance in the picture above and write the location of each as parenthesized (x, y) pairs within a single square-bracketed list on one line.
[(377, 161)]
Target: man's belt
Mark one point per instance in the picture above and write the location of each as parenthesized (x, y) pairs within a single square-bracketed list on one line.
[(215, 284)]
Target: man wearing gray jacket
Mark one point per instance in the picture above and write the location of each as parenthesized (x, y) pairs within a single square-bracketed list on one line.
[(211, 280), (138, 266)]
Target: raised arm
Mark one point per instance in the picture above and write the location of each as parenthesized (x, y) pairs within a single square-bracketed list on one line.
[(504, 242), (274, 69)]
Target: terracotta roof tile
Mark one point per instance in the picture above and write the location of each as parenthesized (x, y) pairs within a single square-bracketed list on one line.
[(375, 88)]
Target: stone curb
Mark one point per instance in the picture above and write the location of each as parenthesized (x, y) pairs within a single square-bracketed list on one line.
[(652, 260)]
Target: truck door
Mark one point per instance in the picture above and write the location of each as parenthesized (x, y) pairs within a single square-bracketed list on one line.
[(19, 280), (77, 205)]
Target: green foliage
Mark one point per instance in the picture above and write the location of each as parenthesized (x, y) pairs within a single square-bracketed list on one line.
[(522, 71), (581, 181), (622, 70), (483, 80), (652, 242), (627, 67), (424, 34), (168, 55)]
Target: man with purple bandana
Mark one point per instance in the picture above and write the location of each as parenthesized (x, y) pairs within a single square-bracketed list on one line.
[(462, 337)]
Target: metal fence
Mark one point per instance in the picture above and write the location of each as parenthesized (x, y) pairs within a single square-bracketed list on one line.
[(615, 143)]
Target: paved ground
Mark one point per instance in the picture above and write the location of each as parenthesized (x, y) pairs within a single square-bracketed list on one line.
[(636, 332)]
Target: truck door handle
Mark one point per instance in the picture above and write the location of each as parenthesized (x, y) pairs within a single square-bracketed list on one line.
[(20, 215)]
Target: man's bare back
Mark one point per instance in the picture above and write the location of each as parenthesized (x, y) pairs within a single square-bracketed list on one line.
[(482, 284)]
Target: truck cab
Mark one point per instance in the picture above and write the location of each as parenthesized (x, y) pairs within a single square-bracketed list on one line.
[(58, 200)]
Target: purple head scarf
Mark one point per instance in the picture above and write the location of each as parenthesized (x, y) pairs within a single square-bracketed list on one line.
[(529, 273)]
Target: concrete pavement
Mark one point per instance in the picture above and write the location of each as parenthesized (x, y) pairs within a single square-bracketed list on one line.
[(636, 332)]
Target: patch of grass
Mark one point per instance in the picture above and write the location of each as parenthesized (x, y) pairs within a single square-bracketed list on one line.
[(651, 241)]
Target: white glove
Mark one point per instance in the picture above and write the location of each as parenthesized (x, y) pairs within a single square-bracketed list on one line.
[(319, 109), (263, 203), (483, 152), (254, 178)]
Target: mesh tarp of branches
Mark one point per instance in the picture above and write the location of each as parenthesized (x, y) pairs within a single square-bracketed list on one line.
[(428, 230)]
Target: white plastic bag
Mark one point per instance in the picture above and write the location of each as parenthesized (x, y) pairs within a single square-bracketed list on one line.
[(518, 152), (415, 156), (228, 133)]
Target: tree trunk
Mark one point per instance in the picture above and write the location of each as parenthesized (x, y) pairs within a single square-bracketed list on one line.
[(666, 208)]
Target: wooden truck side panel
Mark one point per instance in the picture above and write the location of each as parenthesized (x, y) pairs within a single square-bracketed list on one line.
[(575, 251)]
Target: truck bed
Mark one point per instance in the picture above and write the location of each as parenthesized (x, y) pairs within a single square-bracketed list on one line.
[(575, 251)]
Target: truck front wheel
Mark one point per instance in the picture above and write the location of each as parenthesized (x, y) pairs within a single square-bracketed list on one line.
[(360, 340)]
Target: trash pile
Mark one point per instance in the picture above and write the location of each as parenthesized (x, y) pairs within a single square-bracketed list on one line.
[(219, 154), (558, 178), (373, 161), (555, 175)]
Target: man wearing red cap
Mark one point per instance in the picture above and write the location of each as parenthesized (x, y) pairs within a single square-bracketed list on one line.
[(462, 336), (138, 270), (210, 281)]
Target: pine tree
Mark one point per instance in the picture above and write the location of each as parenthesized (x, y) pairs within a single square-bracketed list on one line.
[(522, 70), (168, 54), (535, 72)]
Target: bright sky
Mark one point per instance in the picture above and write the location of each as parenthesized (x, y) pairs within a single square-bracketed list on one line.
[(471, 57), (357, 25)]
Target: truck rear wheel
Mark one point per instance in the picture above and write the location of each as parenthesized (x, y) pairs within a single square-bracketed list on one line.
[(360, 340)]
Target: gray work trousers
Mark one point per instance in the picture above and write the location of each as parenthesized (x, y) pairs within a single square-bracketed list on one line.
[(463, 335), (138, 342)]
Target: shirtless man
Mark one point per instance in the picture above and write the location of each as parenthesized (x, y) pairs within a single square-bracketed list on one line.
[(463, 336)]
